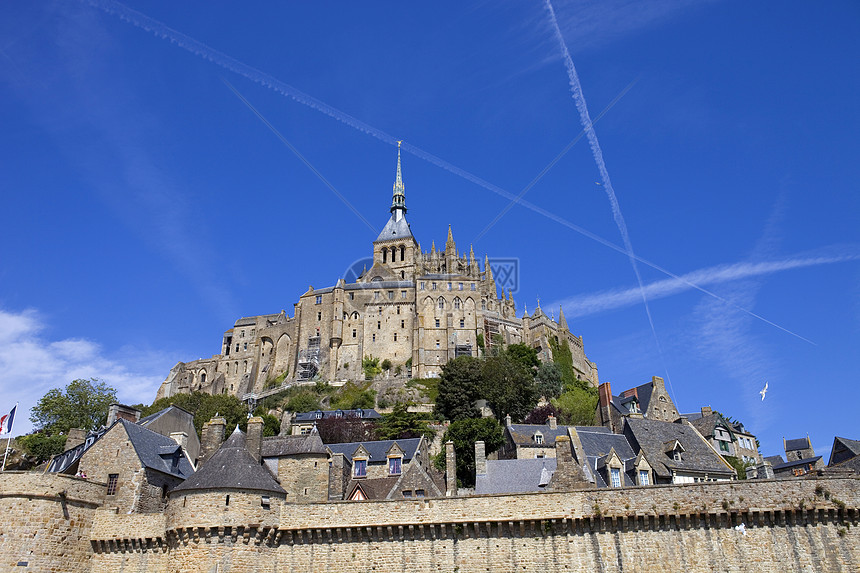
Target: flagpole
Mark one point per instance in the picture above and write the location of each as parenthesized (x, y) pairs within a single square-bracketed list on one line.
[(8, 440)]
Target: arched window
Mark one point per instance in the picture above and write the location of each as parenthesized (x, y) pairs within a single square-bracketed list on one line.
[(457, 302), (202, 378), (402, 252), (441, 303), (483, 305), (393, 254), (385, 255)]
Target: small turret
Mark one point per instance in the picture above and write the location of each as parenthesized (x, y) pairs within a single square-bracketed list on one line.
[(562, 322)]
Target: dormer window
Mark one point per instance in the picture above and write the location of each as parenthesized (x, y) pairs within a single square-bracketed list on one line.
[(394, 465), (359, 468), (676, 454), (538, 438), (615, 476), (643, 477), (318, 415)]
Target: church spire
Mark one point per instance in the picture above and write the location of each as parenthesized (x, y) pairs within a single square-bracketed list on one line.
[(562, 322), (398, 200)]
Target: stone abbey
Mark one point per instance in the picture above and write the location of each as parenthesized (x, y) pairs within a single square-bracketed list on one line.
[(417, 309)]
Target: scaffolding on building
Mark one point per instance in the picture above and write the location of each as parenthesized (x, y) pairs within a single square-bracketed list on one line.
[(309, 359)]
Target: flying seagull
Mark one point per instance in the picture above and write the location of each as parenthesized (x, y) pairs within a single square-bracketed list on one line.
[(763, 391)]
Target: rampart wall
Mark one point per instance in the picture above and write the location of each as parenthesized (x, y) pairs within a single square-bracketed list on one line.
[(789, 525)]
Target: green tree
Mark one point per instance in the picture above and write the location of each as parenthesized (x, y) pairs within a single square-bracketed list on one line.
[(459, 387), (508, 387), (42, 446), (82, 404), (549, 380), (352, 396), (577, 406), (464, 434), (524, 355), (402, 424), (371, 368), (306, 401)]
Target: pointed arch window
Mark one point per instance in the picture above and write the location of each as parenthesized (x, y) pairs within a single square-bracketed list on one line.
[(457, 302), (441, 303)]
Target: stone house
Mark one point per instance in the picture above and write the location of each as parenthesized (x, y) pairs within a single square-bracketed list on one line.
[(728, 438), (416, 308), (676, 451), (139, 467), (301, 464), (651, 400), (383, 469), (607, 459), (525, 441), (800, 459)]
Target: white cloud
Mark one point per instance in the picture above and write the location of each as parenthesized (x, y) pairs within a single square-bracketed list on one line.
[(31, 364), (585, 305)]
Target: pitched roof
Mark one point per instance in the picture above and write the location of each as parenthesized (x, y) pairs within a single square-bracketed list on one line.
[(146, 420), (707, 424), (523, 434), (797, 444), (157, 452), (232, 467), (377, 450), (775, 460), (279, 446), (651, 435), (843, 450), (394, 230), (515, 476), (794, 463)]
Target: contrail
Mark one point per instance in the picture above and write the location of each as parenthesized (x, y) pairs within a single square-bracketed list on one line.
[(191, 45), (588, 126), (552, 163), (301, 157), (619, 298)]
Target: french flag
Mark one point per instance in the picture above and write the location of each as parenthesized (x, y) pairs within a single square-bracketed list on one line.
[(6, 422)]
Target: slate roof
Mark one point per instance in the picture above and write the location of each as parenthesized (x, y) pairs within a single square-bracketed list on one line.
[(775, 460), (523, 434), (157, 452), (232, 467), (794, 463), (597, 442), (378, 450), (650, 436), (515, 476), (797, 444), (152, 417), (843, 450), (364, 414), (707, 424), (279, 446), (394, 230), (378, 285)]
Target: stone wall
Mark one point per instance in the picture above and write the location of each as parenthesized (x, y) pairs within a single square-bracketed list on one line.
[(790, 525), (46, 521)]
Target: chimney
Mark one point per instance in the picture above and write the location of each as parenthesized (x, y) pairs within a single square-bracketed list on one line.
[(212, 436), (180, 438), (764, 470), (656, 382), (450, 469), (338, 477), (286, 424), (75, 437), (706, 411), (121, 411), (507, 420), (568, 475), (552, 422), (604, 393), (480, 458), (254, 437)]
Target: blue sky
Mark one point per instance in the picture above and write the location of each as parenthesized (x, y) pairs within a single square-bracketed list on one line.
[(146, 207)]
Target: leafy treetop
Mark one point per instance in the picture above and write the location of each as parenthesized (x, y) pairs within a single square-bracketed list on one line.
[(82, 404)]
